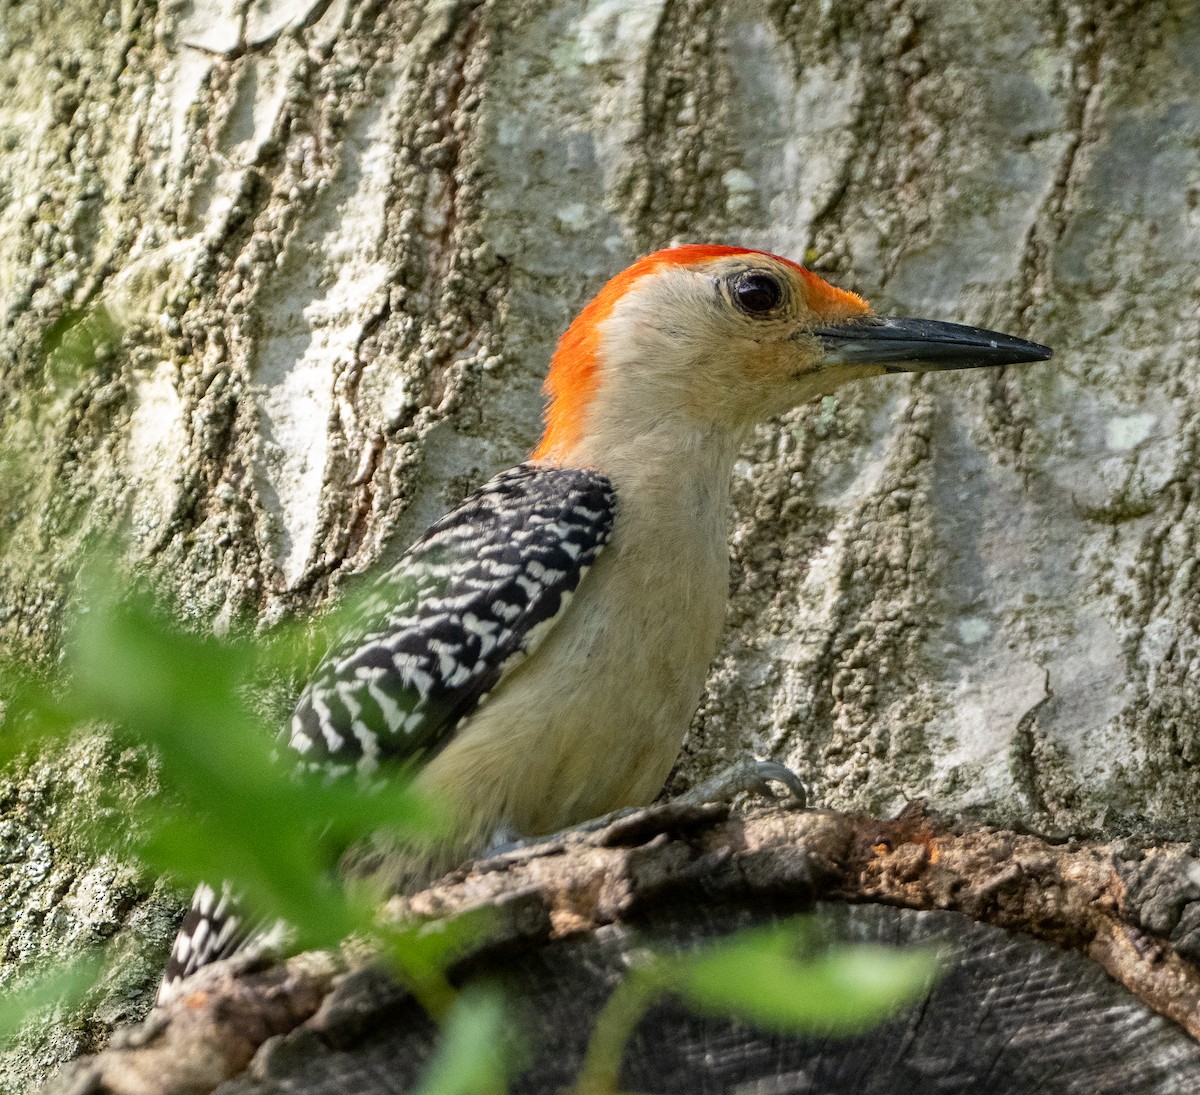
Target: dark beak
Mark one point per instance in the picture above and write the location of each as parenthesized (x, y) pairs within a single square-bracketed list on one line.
[(922, 345)]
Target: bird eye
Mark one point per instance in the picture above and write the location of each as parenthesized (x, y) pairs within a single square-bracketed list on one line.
[(757, 294)]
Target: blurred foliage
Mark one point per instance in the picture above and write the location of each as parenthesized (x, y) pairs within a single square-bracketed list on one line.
[(62, 988), (230, 811), (780, 978), (777, 978), (470, 1059)]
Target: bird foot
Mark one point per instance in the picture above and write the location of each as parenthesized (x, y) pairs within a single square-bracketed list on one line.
[(505, 840), (747, 777)]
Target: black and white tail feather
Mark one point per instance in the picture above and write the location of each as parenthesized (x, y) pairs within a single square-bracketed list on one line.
[(213, 928), (469, 600)]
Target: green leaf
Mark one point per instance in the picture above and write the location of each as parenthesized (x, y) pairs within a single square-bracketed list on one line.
[(230, 811), (469, 1060), (758, 976), (64, 988)]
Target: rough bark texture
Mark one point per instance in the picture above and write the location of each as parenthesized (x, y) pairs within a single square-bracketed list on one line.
[(569, 916), (338, 239)]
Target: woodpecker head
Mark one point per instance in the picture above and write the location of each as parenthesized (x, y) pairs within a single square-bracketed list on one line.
[(716, 338)]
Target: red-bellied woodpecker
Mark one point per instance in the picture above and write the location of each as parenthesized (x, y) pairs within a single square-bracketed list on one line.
[(551, 636)]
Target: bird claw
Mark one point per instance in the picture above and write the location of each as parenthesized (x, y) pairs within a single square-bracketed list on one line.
[(749, 776), (745, 777)]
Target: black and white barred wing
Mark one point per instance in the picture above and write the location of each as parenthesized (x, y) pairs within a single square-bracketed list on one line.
[(473, 596)]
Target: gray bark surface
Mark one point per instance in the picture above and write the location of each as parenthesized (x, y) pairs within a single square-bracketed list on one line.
[(319, 254)]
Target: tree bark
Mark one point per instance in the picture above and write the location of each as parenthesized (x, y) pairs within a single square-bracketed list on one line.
[(313, 257)]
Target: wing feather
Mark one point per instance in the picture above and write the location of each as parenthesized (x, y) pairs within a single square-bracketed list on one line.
[(472, 596)]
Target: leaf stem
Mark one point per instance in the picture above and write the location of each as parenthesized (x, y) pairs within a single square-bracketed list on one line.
[(614, 1026)]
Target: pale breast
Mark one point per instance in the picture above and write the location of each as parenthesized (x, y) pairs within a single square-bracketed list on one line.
[(595, 720)]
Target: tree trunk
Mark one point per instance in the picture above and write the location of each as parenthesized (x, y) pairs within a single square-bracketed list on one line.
[(313, 258)]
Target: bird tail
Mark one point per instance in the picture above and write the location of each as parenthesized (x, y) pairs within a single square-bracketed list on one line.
[(213, 928)]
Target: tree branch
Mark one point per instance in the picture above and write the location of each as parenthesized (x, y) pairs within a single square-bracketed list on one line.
[(1128, 909)]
